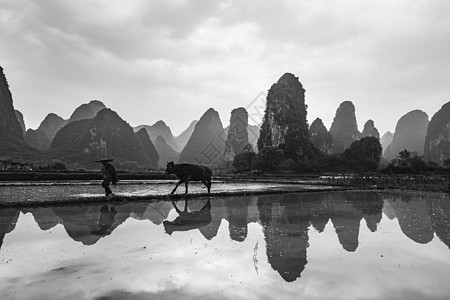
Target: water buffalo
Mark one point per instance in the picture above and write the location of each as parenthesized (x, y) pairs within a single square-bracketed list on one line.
[(187, 172)]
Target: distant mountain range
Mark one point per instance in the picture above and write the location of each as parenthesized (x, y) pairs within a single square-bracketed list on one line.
[(85, 141), (93, 129)]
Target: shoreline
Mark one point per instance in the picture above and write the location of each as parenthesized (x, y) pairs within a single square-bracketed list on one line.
[(152, 197), (267, 188)]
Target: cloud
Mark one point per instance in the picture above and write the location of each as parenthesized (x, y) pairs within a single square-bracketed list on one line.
[(201, 54)]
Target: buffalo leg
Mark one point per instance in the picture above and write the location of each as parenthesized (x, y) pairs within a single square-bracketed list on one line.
[(207, 184), (178, 183), (186, 184)]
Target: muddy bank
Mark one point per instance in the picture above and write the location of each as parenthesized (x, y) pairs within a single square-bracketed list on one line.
[(41, 195)]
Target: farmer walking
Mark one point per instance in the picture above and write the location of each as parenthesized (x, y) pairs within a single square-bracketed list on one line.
[(108, 174)]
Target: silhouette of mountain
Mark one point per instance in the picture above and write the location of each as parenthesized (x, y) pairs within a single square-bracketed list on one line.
[(51, 124), (12, 144), (366, 152), (370, 130), (19, 116), (437, 142), (37, 139), (182, 139), (207, 142), (79, 142), (237, 134), (86, 111), (149, 148), (344, 128), (9, 125), (284, 124), (410, 133), (386, 140), (165, 152), (320, 137)]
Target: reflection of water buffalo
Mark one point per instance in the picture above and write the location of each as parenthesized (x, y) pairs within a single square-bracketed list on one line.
[(187, 172), (189, 220)]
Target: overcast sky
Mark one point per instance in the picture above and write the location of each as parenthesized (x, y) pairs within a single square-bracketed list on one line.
[(172, 60)]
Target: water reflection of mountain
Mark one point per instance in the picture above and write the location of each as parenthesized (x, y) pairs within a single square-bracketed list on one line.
[(285, 219), (237, 213), (286, 234), (8, 219), (414, 219), (440, 213), (88, 223), (419, 217)]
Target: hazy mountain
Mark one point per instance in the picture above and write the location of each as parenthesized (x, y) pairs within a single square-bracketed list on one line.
[(437, 142), (207, 142), (320, 136), (370, 130), (237, 135), (285, 124), (86, 111), (253, 135), (182, 139), (51, 124), (149, 148), (79, 142), (344, 128), (159, 128), (12, 143), (19, 116), (410, 133), (386, 140), (37, 139), (166, 153)]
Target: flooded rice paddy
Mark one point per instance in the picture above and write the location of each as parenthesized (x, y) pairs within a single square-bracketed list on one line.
[(318, 245), (64, 191)]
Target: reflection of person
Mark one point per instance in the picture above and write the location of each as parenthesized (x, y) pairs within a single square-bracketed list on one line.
[(107, 217), (109, 175)]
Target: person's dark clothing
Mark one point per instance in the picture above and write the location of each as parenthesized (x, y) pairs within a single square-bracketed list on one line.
[(109, 176)]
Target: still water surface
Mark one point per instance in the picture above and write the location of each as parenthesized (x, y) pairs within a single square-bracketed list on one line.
[(328, 245)]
